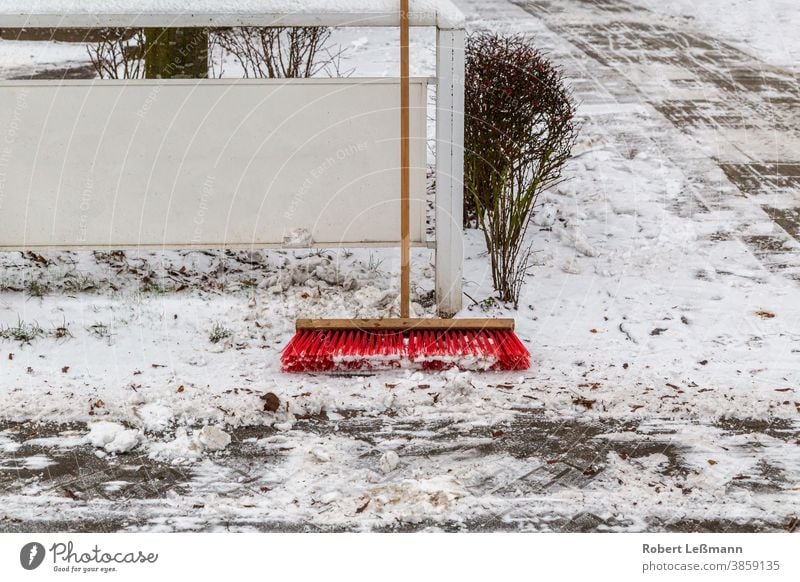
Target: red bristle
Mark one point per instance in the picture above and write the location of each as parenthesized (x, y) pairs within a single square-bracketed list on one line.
[(432, 344), (473, 343), (353, 350), (482, 344), (515, 355), (346, 342)]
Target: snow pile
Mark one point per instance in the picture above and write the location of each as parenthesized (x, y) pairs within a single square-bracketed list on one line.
[(315, 272), (112, 437), (213, 438), (155, 416), (180, 449), (458, 382), (188, 447)]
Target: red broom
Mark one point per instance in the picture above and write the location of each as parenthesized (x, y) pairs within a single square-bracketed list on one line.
[(343, 345), (347, 345)]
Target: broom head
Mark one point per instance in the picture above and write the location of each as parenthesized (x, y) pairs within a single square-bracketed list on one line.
[(353, 345)]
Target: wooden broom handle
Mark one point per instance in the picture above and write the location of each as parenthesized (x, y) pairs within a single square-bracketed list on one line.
[(405, 165)]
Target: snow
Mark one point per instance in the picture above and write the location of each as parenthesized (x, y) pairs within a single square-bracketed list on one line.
[(213, 438), (319, 455), (187, 446), (19, 56), (297, 238), (427, 12), (416, 498), (764, 28), (388, 461), (34, 462), (183, 448), (112, 437), (643, 302), (7, 444), (114, 486), (155, 417), (65, 440)]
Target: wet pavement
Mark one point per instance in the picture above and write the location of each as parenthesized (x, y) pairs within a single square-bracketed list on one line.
[(743, 112), (529, 459)]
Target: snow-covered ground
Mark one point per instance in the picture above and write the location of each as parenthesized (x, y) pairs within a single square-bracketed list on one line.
[(648, 313), (767, 29), (20, 58)]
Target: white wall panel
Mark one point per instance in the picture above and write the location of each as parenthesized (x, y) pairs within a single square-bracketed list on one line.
[(206, 163)]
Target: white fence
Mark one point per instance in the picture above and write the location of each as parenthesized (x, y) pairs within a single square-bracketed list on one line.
[(229, 163)]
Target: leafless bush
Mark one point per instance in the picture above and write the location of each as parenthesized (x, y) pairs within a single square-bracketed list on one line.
[(262, 52), (279, 52), (118, 53), (519, 132)]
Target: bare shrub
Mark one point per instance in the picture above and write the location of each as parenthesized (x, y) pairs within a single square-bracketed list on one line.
[(154, 53), (262, 52), (279, 52), (118, 53), (519, 132)]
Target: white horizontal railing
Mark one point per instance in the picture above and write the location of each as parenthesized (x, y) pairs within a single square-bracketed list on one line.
[(180, 13)]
